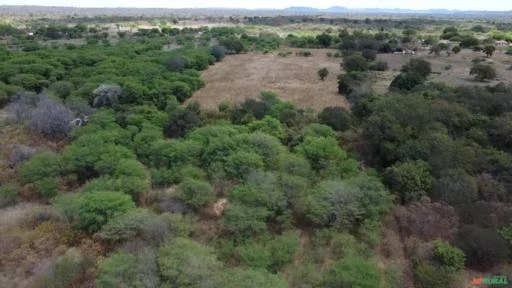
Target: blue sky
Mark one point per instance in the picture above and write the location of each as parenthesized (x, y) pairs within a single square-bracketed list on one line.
[(410, 4)]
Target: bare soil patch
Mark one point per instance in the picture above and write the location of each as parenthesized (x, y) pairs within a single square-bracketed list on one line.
[(293, 78)]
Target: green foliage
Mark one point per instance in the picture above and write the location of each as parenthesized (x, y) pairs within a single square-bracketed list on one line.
[(240, 164), (451, 258), (432, 277), (186, 263), (39, 167), (118, 270), (324, 155), (337, 118), (407, 81), (268, 125), (411, 179), (252, 278), (67, 270), (353, 271), (347, 203), (196, 193), (483, 72), (96, 208), (8, 194), (243, 222), (355, 63), (417, 66), (47, 187), (322, 73), (456, 187)]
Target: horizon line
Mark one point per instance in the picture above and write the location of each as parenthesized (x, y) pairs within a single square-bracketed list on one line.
[(251, 9)]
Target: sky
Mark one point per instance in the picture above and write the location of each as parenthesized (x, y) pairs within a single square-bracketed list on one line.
[(497, 5)]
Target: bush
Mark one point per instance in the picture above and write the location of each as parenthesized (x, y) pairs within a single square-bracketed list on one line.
[(411, 179), (456, 187), (353, 271), (379, 66), (322, 73), (117, 270), (8, 194), (39, 167), (20, 154), (97, 208), (219, 52), (240, 164), (355, 63), (418, 66), (61, 89), (337, 118), (347, 203), (66, 271), (186, 263), (252, 278), (369, 55), (484, 248), (407, 81), (451, 258), (483, 72), (196, 193), (432, 277), (175, 64), (107, 95), (47, 188)]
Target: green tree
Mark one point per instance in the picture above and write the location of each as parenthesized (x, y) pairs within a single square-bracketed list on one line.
[(355, 63), (324, 40), (40, 167), (240, 164), (483, 72), (489, 50), (353, 271), (322, 73), (407, 81), (418, 66), (451, 258), (338, 118), (410, 179), (186, 263), (252, 278), (98, 207), (324, 154), (117, 270), (196, 193), (456, 187)]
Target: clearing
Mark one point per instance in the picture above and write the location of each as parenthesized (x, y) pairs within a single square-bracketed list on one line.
[(293, 78)]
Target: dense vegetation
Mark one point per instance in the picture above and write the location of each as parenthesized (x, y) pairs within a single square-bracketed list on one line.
[(144, 189)]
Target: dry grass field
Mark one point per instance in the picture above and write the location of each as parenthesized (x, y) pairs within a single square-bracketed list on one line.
[(293, 78), (454, 69)]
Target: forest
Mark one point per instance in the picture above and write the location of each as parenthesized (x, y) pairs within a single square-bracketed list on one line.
[(112, 175)]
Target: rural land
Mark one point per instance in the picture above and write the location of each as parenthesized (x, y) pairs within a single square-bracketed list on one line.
[(236, 148)]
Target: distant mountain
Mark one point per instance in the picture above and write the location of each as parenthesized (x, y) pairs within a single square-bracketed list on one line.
[(298, 9), (337, 9)]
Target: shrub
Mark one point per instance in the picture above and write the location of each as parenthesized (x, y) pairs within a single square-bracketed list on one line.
[(243, 222), (8, 194), (353, 271), (369, 54), (117, 270), (20, 154), (39, 167), (418, 66), (411, 179), (484, 248), (66, 271), (355, 63), (347, 203), (337, 118), (483, 72), (186, 263), (456, 187), (322, 73), (219, 52), (323, 154), (107, 95), (240, 164), (451, 258), (175, 64), (379, 66), (252, 278), (47, 187), (407, 81), (61, 89), (97, 208), (196, 193), (432, 277)]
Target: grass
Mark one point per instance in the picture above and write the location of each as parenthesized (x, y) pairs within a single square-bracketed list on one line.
[(293, 78)]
